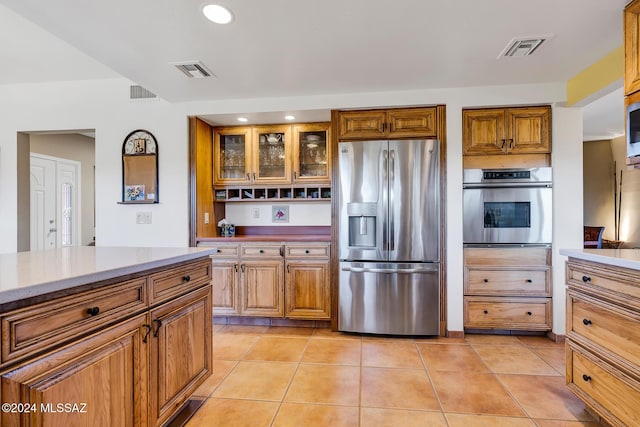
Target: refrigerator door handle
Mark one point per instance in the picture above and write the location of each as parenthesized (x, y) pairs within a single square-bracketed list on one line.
[(385, 195), (386, 270), (392, 178)]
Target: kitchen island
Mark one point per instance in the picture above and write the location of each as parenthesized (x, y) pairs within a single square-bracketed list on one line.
[(120, 336), (603, 331)]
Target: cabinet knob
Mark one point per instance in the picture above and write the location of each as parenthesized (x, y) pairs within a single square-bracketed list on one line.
[(486, 280), (218, 251), (586, 377), (93, 311), (486, 312), (586, 279), (261, 251), (529, 281), (186, 278), (529, 313), (306, 251), (586, 322)]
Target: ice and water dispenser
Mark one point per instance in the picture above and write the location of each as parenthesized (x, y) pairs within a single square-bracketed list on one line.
[(362, 224)]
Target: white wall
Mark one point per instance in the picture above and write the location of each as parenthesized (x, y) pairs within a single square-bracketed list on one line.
[(105, 107)]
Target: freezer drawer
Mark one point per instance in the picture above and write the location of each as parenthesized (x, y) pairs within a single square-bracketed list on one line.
[(389, 298)]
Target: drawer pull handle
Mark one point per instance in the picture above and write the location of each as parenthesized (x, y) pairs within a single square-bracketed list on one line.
[(529, 313), (186, 278), (148, 328), (529, 281), (586, 322), (158, 322), (486, 312), (586, 377), (261, 251), (306, 251), (93, 311), (218, 251), (486, 280), (586, 279)]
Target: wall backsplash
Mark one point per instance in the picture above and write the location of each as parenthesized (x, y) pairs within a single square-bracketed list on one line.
[(300, 213)]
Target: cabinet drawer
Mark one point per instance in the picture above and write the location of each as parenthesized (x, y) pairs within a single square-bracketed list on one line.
[(261, 250), (178, 280), (225, 251), (612, 328), (507, 256), (306, 251), (507, 313), (36, 328), (507, 282), (614, 395), (595, 279)]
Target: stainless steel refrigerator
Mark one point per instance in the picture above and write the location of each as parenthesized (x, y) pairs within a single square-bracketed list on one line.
[(389, 245)]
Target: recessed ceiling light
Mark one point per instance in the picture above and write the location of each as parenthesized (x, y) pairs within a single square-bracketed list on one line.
[(218, 14), (289, 117), (243, 119)]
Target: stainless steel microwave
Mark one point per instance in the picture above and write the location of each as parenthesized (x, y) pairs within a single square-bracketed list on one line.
[(633, 130)]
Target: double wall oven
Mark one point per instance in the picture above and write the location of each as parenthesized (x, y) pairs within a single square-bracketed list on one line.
[(507, 206)]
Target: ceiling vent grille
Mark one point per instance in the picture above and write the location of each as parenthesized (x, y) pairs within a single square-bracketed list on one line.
[(193, 69), (138, 92), (518, 48)]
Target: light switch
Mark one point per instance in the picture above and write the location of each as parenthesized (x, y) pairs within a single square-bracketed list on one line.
[(143, 217), (255, 213), (206, 217)]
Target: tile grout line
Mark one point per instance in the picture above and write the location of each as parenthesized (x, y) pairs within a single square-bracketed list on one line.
[(433, 387)]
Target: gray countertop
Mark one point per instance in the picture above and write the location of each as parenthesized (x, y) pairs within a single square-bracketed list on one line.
[(29, 274), (626, 258)]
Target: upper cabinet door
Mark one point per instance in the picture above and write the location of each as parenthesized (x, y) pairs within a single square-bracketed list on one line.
[(412, 122), (369, 124), (312, 153), (632, 48), (271, 154), (483, 131), (529, 130), (232, 159)]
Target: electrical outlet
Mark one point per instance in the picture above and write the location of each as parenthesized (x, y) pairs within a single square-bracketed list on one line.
[(143, 217), (256, 213)]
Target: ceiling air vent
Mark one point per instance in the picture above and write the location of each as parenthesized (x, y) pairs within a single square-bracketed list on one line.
[(195, 69), (522, 47), (138, 92)]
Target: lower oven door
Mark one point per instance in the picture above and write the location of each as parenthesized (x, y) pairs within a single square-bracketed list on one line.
[(389, 298), (507, 215)]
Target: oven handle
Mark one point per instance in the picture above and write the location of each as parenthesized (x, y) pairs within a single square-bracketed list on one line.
[(507, 185)]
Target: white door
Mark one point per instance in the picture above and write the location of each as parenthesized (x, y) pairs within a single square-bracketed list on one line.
[(55, 202)]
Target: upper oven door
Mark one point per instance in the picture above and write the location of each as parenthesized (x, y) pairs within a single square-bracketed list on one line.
[(507, 215)]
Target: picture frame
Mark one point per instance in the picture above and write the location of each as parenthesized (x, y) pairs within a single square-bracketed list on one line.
[(134, 192), (280, 214)]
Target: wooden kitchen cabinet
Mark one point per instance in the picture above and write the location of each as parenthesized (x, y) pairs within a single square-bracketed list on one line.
[(271, 154), (105, 374), (312, 153), (603, 339), (385, 124), (307, 292), (518, 130), (232, 155), (632, 47), (133, 351), (507, 288), (262, 287), (180, 354)]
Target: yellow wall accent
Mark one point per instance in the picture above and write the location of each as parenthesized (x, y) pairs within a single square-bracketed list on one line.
[(596, 77)]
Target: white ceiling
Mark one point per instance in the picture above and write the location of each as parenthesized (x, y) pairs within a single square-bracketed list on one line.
[(282, 48)]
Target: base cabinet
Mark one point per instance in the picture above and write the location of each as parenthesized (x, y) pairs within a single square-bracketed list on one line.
[(603, 336), (272, 280), (507, 288), (138, 370)]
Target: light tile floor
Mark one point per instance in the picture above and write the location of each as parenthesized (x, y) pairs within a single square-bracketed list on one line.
[(279, 376)]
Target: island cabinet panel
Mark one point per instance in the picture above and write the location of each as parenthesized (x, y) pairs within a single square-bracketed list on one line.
[(104, 375), (603, 339), (33, 329), (180, 352), (133, 351)]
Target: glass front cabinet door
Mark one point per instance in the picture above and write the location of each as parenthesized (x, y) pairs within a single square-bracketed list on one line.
[(311, 153), (271, 154), (232, 156)]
